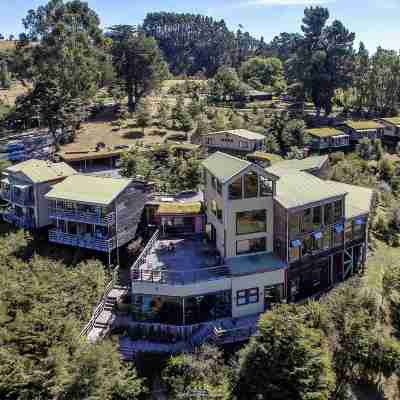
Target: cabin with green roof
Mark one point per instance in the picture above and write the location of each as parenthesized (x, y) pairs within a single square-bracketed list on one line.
[(95, 212), (24, 186), (391, 127), (327, 138), (363, 129)]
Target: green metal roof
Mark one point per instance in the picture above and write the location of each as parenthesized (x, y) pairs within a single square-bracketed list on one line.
[(363, 125), (307, 164), (89, 189), (39, 171), (223, 166), (243, 133), (358, 199), (297, 189), (393, 121), (325, 132)]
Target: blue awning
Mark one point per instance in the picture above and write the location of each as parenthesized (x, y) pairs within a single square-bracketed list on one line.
[(339, 228), (296, 243), (317, 235), (360, 221)]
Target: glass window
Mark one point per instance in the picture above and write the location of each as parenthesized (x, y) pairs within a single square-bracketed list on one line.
[(358, 230), (293, 224), (337, 238), (250, 185), (247, 296), (235, 189), (307, 220), (338, 210), (213, 182), (307, 246), (251, 222), (328, 213), (349, 232), (266, 187), (219, 187), (294, 253), (327, 239), (243, 145), (273, 294), (317, 216), (251, 246)]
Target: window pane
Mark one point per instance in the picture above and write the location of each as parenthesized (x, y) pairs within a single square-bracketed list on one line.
[(293, 224), (251, 185), (328, 214), (294, 253), (266, 187), (307, 245), (317, 216), (251, 246), (349, 232), (307, 220), (251, 222), (338, 210), (235, 189)]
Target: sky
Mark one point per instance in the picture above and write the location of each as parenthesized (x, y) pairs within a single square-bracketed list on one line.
[(375, 22)]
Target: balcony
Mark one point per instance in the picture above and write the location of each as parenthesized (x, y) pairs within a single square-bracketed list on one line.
[(20, 221), (23, 199), (84, 241), (5, 194), (87, 217)]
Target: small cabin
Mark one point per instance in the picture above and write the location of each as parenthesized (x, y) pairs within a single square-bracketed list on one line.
[(264, 159), (326, 138), (363, 130), (391, 128)]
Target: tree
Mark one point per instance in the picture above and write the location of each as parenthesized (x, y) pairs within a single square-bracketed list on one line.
[(226, 85), (370, 149), (361, 77), (180, 115), (44, 305), (324, 61), (277, 128), (163, 113), (294, 134), (264, 74), (219, 121), (144, 114), (5, 79), (203, 371), (288, 360), (271, 144), (138, 62), (202, 128)]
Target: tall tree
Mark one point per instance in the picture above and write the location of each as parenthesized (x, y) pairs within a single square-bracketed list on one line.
[(138, 62), (324, 61), (288, 360)]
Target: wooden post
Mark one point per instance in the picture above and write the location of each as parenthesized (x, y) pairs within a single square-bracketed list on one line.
[(183, 309)]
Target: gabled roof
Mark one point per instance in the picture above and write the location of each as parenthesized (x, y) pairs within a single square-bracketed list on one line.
[(392, 121), (363, 125), (39, 171), (307, 164), (358, 199), (89, 189), (224, 167), (325, 132), (297, 189), (243, 133)]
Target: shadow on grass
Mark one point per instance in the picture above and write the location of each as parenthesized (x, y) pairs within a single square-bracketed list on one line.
[(133, 135)]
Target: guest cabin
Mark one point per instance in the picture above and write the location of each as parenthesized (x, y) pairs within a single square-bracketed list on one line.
[(358, 130), (328, 138)]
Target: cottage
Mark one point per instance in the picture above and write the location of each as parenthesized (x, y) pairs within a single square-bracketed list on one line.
[(238, 141), (391, 128), (25, 185), (327, 138), (94, 212), (363, 130)]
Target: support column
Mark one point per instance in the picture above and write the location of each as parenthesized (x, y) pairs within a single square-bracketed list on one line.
[(183, 309)]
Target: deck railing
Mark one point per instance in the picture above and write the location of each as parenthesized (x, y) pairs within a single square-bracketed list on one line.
[(235, 334), (100, 307), (146, 251), (82, 216), (88, 242), (20, 221), (179, 278)]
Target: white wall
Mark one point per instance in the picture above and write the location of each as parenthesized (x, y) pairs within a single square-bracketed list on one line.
[(252, 281), (218, 140)]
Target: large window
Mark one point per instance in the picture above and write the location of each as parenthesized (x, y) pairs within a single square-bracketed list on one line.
[(338, 210), (294, 250), (317, 216), (307, 220), (307, 248), (250, 185), (251, 246), (266, 187), (251, 222), (328, 213), (247, 296), (293, 224), (235, 189)]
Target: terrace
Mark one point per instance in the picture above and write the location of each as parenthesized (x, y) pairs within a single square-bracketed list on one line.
[(192, 260), (178, 261)]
